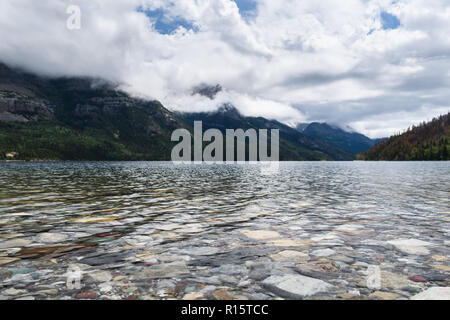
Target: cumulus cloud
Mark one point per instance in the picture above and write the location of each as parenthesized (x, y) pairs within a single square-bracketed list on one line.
[(361, 63)]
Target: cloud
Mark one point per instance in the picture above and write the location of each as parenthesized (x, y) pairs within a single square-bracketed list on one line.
[(357, 62)]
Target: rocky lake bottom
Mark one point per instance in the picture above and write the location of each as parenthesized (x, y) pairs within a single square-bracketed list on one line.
[(126, 231)]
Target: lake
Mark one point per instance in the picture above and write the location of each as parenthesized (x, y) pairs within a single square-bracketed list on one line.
[(153, 230)]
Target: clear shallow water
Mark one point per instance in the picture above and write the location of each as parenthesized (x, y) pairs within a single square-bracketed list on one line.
[(162, 231)]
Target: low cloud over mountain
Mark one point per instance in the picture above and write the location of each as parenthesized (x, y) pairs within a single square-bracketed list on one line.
[(376, 65)]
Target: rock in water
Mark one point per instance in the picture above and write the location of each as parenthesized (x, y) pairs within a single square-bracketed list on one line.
[(165, 271), (193, 296), (38, 252), (15, 243), (380, 295), (293, 286), (435, 293), (290, 256), (94, 219), (411, 246), (13, 292), (290, 243), (87, 295), (323, 253), (222, 295), (101, 276), (51, 237), (201, 251), (417, 278), (105, 259), (260, 234), (6, 260)]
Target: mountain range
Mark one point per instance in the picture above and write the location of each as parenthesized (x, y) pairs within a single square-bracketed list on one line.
[(293, 144), (90, 119), (346, 140)]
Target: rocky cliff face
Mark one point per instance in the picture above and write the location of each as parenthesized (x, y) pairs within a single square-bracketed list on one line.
[(15, 106), (25, 98), (80, 119)]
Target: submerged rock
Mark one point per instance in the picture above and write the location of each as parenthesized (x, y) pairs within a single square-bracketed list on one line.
[(417, 278), (323, 253), (342, 258), (435, 293), (87, 295), (352, 229), (439, 258), (222, 294), (411, 246), (53, 251), (260, 234), (289, 256), (165, 271), (200, 251), (13, 292), (105, 287), (441, 267), (14, 243), (51, 237), (295, 286), (193, 296), (100, 276), (6, 260), (260, 272), (394, 281), (11, 235), (98, 260), (94, 219), (384, 295), (27, 298), (290, 243), (321, 270)]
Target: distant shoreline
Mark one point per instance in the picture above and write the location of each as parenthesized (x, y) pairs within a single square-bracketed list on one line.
[(61, 161)]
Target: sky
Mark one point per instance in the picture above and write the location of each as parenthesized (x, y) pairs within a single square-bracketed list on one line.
[(377, 66)]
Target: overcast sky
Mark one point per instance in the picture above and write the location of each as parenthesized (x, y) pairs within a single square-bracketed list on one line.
[(375, 65)]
